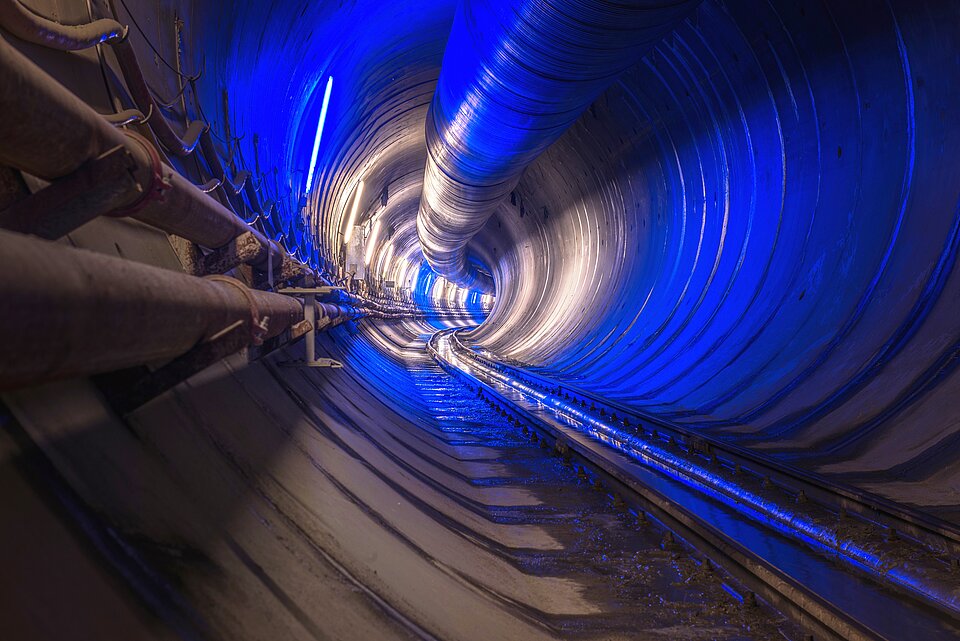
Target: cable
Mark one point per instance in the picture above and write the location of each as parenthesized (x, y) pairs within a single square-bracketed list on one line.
[(149, 43)]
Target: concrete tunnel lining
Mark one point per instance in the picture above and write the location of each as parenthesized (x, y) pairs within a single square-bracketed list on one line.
[(752, 232)]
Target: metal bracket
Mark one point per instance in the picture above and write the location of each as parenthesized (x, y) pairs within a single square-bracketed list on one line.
[(309, 298), (317, 362), (299, 291)]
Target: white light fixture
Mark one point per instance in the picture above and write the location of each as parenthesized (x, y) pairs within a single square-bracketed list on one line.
[(386, 259), (348, 232), (372, 241), (316, 139)]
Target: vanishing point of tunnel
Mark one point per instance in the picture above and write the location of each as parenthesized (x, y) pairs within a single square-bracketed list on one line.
[(479, 320)]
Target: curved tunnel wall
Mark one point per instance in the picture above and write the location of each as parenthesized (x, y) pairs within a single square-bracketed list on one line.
[(753, 231), (274, 61)]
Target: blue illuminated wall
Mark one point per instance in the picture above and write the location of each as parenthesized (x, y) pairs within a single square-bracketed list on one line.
[(275, 59), (753, 231)]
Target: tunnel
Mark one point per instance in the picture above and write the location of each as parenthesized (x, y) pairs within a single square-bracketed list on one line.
[(480, 319)]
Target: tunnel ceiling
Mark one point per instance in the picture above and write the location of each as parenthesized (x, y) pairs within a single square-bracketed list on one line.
[(753, 230)]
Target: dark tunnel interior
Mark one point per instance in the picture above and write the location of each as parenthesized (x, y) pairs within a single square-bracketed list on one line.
[(480, 319)]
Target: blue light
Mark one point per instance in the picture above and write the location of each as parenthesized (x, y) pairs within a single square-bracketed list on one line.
[(826, 538), (316, 140)]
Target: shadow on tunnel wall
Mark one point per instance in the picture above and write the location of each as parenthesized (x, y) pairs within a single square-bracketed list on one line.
[(223, 508), (754, 232)]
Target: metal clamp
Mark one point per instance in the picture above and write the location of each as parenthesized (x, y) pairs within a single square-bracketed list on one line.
[(309, 300)]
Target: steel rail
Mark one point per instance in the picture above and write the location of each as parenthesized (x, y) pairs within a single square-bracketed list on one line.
[(886, 513), (674, 484)]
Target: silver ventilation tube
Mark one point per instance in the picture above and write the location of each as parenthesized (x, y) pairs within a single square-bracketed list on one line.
[(515, 76)]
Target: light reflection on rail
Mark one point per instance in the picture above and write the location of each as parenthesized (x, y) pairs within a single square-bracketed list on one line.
[(769, 512)]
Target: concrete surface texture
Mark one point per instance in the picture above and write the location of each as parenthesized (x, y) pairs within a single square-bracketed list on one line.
[(751, 231)]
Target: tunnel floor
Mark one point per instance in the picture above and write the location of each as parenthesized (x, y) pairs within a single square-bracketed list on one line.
[(388, 499), (630, 583), (262, 501)]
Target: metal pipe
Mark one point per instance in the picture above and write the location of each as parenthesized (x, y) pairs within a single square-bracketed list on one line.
[(329, 315), (27, 25), (515, 76), (72, 312), (99, 187), (140, 92), (309, 311), (48, 132), (212, 158), (124, 117)]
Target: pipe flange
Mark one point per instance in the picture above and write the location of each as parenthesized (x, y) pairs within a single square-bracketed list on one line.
[(153, 192), (258, 325)]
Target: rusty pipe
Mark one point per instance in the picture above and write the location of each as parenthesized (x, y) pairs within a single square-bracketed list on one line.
[(46, 130), (71, 312), (209, 152), (329, 315), (50, 133), (140, 92), (27, 25), (332, 311)]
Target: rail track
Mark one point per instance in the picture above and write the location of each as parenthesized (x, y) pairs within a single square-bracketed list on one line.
[(592, 570), (844, 563)]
